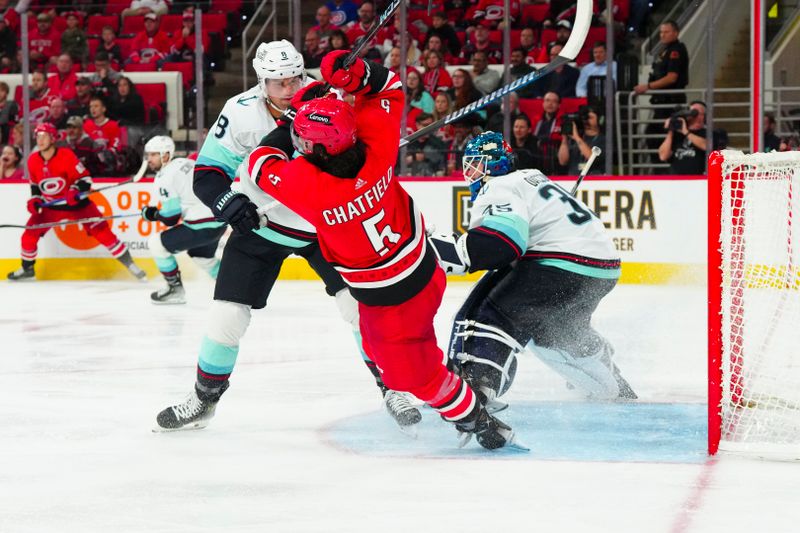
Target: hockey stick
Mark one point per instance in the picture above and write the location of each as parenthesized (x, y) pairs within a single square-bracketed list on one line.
[(68, 222), (583, 19), (596, 151), (133, 179), (351, 57)]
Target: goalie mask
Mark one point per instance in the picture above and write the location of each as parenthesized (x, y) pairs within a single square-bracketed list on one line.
[(488, 154)]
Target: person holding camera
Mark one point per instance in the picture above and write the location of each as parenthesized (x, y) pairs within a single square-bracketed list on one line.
[(685, 144), (580, 132)]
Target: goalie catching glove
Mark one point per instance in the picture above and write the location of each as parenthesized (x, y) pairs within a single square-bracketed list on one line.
[(451, 251)]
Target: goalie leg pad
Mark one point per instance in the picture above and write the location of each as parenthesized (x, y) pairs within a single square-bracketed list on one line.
[(594, 374)]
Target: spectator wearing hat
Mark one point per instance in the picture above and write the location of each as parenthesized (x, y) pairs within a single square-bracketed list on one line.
[(479, 41), (446, 32), (10, 167), (73, 40), (77, 140), (45, 42), (485, 79), (62, 84), (562, 80), (143, 7), (151, 44), (104, 78), (109, 45), (102, 130), (183, 45), (79, 106)]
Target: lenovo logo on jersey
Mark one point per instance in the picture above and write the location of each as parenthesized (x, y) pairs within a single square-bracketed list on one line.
[(52, 186), (319, 118)]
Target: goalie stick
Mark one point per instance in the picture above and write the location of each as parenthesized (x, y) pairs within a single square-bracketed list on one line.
[(583, 19), (596, 151), (68, 222), (133, 179)]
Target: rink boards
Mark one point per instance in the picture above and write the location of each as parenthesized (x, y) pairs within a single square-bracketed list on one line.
[(658, 225)]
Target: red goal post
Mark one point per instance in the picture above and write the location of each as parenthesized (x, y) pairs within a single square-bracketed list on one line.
[(754, 304)]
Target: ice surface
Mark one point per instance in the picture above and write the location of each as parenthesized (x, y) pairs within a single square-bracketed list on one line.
[(299, 443)]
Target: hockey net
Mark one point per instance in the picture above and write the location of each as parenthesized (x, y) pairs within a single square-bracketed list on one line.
[(754, 296)]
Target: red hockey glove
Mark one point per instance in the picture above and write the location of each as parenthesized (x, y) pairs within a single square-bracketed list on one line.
[(35, 204), (309, 92), (352, 80), (73, 196)]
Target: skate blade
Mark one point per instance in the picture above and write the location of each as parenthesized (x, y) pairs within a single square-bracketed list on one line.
[(187, 427), (514, 444), (411, 431), (172, 302), (463, 439)]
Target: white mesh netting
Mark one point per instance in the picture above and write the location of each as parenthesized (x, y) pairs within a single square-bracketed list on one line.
[(761, 303)]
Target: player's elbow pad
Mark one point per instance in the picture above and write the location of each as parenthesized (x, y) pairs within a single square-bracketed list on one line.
[(209, 183), (490, 251)]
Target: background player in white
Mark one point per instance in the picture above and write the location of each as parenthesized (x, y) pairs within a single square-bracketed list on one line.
[(550, 263), (253, 255), (194, 228)]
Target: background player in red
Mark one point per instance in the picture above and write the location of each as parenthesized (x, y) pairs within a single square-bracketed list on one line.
[(370, 230), (57, 174)]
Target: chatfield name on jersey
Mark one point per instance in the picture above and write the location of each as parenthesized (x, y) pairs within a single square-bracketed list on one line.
[(360, 204)]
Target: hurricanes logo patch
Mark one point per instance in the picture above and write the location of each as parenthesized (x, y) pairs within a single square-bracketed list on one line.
[(319, 118), (52, 186)]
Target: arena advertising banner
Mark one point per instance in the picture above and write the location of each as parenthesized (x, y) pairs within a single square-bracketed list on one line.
[(658, 224)]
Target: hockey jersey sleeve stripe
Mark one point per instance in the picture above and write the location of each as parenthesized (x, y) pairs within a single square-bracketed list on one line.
[(170, 208), (592, 272), (511, 225), (215, 155)]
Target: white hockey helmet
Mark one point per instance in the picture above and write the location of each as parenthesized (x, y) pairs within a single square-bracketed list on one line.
[(277, 60), (160, 144)]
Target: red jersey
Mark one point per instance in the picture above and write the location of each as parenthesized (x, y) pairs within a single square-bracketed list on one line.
[(49, 44), (368, 228), (145, 47), (107, 134), (54, 177), (63, 88)]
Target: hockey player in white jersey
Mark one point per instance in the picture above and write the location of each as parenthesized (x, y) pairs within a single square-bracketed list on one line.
[(193, 228), (550, 263), (254, 253)]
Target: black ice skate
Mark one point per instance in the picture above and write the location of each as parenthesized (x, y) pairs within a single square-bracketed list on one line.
[(406, 415), (22, 273), (192, 413), (490, 432), (169, 295)]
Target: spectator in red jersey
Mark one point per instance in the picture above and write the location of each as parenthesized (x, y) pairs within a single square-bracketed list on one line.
[(144, 7), (529, 46), (357, 30), (62, 84), (58, 116), (73, 40), (101, 129), (548, 125), (39, 92), (324, 26), (57, 174), (492, 11), (45, 42), (338, 41), (312, 51), (151, 44), (109, 45), (185, 40), (10, 167), (446, 33), (436, 78), (8, 111), (479, 41), (79, 106)]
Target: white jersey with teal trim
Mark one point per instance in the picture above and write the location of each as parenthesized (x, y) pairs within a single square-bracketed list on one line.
[(173, 185), (546, 223)]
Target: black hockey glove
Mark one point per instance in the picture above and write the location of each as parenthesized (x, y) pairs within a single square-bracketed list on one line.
[(150, 213), (237, 210)]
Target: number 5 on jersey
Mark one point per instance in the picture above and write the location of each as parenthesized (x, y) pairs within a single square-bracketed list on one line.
[(376, 238)]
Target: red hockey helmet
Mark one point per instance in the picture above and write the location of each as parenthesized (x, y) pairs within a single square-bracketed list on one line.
[(46, 127), (327, 121)]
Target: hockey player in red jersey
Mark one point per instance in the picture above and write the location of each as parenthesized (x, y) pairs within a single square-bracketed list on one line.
[(371, 231), (57, 174)]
